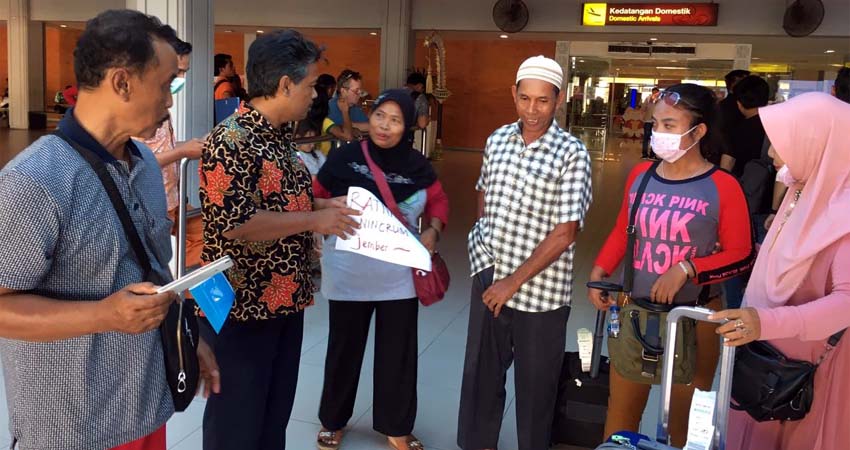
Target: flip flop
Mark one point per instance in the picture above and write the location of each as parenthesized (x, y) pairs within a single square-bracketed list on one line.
[(329, 440), (412, 444)]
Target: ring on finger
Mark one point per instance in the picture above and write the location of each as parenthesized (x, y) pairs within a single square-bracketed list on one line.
[(739, 324)]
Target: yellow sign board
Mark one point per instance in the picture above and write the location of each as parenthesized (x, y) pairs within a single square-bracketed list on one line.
[(769, 68), (594, 14), (649, 14)]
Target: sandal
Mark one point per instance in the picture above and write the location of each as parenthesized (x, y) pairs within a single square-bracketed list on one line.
[(412, 444), (329, 440)]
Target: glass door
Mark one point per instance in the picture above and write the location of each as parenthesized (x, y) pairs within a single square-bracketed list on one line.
[(588, 103), (605, 96)]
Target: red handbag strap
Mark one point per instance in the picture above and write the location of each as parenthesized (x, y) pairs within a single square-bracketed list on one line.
[(383, 186)]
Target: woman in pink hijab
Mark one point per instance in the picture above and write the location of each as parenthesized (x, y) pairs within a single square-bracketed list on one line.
[(799, 292)]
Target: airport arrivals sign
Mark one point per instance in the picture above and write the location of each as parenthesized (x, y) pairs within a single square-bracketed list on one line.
[(650, 14)]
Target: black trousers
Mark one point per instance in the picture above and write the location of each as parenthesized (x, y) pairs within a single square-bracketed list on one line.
[(647, 133), (535, 342), (396, 358), (258, 361)]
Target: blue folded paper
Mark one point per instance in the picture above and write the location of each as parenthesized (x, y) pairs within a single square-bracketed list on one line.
[(215, 298)]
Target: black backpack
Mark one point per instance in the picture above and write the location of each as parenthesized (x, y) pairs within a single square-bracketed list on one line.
[(758, 178), (238, 90)]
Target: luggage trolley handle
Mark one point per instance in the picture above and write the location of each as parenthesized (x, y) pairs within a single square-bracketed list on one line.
[(599, 333), (727, 360), (182, 212)]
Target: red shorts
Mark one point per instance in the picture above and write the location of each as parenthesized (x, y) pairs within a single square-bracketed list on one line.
[(153, 441)]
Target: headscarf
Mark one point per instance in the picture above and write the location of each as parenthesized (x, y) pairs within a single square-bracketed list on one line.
[(406, 169), (810, 134)]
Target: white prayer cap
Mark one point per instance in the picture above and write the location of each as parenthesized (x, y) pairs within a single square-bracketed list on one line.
[(541, 68)]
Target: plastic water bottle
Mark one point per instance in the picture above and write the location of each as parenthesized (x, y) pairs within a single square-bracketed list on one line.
[(614, 321)]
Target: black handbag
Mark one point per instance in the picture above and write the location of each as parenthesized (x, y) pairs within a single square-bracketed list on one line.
[(179, 329), (770, 386)]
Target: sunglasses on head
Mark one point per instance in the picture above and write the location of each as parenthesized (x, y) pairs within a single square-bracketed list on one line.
[(344, 79), (673, 98)]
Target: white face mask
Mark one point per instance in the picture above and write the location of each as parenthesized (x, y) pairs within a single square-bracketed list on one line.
[(177, 85), (784, 176), (666, 145)]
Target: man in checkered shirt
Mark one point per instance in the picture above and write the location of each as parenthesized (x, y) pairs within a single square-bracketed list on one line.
[(534, 191)]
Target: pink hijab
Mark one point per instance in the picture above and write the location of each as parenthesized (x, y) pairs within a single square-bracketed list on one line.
[(811, 133)]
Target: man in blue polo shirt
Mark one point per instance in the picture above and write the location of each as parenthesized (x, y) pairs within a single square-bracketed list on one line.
[(79, 339), (349, 89)]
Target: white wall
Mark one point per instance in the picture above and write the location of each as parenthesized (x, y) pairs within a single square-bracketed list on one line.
[(302, 13), (76, 10), (744, 17)]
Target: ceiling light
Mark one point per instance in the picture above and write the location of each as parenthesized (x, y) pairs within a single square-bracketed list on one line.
[(63, 26), (581, 60), (503, 36), (755, 58), (671, 68), (260, 31), (374, 33), (830, 51), (653, 39), (228, 31), (837, 65)]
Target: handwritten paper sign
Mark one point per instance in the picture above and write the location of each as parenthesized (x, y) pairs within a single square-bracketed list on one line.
[(381, 235)]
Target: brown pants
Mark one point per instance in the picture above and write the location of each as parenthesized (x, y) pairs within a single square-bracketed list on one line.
[(194, 237), (628, 399)]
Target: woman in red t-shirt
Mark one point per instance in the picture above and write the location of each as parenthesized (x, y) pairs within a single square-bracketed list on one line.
[(689, 206)]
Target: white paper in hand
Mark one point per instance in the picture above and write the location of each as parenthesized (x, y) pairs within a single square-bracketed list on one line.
[(381, 235)]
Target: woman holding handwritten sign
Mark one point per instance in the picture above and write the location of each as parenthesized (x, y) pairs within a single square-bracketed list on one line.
[(688, 205), (357, 286)]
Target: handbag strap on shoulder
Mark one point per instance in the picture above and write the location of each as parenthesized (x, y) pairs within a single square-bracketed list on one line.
[(830, 345), (117, 201), (631, 232), (383, 186)]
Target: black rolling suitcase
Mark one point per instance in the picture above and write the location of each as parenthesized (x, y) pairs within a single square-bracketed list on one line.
[(582, 402)]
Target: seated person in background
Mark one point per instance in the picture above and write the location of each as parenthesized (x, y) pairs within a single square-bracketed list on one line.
[(327, 84), (70, 94), (346, 104), (60, 104), (344, 129), (318, 114), (314, 160), (307, 152)]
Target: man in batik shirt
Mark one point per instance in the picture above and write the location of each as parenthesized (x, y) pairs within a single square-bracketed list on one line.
[(258, 209)]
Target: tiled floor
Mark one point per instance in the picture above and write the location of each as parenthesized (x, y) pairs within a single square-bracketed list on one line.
[(442, 327)]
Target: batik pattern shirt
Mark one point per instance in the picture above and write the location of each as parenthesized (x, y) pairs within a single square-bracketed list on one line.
[(247, 166)]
